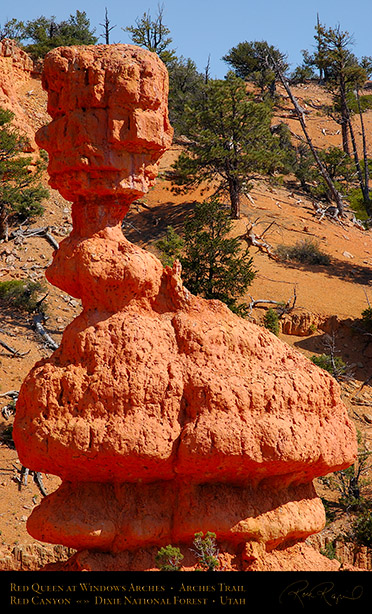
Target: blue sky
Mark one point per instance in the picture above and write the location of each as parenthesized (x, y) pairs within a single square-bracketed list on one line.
[(203, 27)]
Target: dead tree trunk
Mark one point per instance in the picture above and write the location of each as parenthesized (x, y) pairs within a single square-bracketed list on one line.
[(363, 186), (234, 192), (3, 223), (366, 195), (38, 324), (334, 192), (345, 117), (107, 28)]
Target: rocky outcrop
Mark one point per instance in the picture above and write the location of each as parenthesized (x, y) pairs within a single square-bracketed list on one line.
[(352, 556), (32, 557), (303, 323), (163, 413), (110, 123), (16, 67)]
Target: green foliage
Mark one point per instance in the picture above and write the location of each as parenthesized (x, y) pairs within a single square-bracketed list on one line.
[(304, 251), (365, 102), (335, 366), (46, 34), (206, 551), (350, 482), (171, 247), (186, 86), (153, 35), (329, 551), (330, 510), (169, 558), (366, 64), (335, 60), (20, 294), (251, 61), (301, 74), (20, 191), (361, 530), (213, 263), (230, 139), (367, 319), (12, 29), (339, 166), (271, 321), (342, 73), (356, 201)]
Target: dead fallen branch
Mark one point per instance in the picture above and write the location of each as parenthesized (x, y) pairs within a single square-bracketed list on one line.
[(9, 409), (282, 308), (299, 111), (354, 398), (35, 232), (13, 394), (7, 332), (330, 211), (12, 350), (256, 240), (23, 478), (38, 321), (24, 471)]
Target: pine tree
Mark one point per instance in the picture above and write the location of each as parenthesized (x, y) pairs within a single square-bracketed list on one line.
[(338, 165), (12, 29), (185, 86), (45, 33), (344, 75), (21, 192), (153, 34), (251, 61), (340, 70), (229, 140), (213, 263)]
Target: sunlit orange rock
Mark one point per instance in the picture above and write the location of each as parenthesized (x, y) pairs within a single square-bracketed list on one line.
[(16, 67), (163, 413), (110, 122)]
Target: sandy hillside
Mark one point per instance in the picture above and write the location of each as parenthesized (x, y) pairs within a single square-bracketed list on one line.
[(328, 299)]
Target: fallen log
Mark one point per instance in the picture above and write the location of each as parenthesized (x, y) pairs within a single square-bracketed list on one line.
[(35, 232), (13, 394), (38, 325), (282, 308), (12, 350), (255, 240)]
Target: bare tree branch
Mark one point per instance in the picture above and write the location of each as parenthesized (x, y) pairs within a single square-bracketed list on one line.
[(300, 114), (12, 350), (38, 320)]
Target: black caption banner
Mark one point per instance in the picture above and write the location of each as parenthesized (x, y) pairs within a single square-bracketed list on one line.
[(174, 591)]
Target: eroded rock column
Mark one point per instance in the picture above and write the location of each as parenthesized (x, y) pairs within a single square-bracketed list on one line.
[(163, 413)]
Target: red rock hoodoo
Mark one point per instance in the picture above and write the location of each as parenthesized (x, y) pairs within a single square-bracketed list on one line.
[(163, 413)]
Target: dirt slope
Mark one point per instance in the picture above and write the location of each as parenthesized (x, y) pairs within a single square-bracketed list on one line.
[(328, 298)]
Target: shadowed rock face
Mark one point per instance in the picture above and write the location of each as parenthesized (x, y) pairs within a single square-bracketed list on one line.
[(163, 413)]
